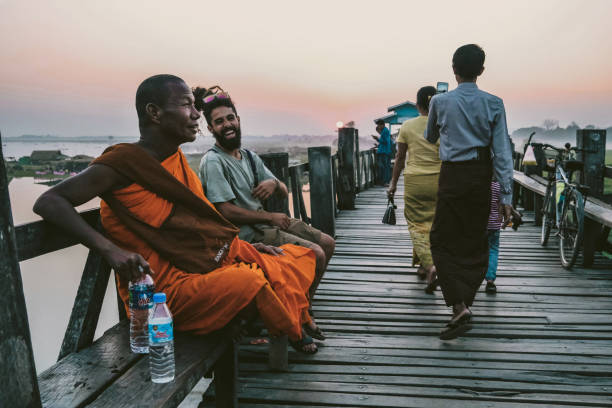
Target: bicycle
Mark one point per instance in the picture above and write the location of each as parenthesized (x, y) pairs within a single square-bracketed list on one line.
[(570, 223)]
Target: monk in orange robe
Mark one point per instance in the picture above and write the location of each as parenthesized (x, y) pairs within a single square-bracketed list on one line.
[(158, 220), (205, 302)]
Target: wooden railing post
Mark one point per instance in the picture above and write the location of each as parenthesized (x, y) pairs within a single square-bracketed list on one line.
[(322, 204), (226, 377), (528, 195), (538, 200), (278, 163), (372, 166), (594, 159), (334, 162), (346, 168), (19, 385), (87, 305), (357, 162)]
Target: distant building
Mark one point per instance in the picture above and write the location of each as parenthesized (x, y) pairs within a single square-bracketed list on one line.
[(399, 114), (46, 156)]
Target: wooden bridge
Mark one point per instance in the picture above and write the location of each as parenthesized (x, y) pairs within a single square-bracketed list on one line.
[(544, 340)]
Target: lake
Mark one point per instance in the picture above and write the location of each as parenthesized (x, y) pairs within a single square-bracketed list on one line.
[(50, 281)]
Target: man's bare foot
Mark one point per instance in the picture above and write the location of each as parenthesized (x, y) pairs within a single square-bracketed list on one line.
[(313, 330)]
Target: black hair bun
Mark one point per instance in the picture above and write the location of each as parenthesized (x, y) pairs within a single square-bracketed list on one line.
[(198, 94)]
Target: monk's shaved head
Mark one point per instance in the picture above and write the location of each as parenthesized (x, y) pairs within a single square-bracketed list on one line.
[(156, 90)]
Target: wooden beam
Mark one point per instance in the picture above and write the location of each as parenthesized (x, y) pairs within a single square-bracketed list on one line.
[(41, 237), (278, 357), (295, 190), (322, 205), (18, 385), (357, 162), (595, 209), (226, 378), (278, 163), (87, 305), (346, 169), (593, 141)]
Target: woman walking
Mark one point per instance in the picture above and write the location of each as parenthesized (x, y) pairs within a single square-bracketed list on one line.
[(420, 184)]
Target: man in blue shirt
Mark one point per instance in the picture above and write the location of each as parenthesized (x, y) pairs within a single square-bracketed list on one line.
[(383, 153), (474, 144)]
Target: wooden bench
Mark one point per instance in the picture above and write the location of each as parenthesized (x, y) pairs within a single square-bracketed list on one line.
[(105, 373), (598, 214)]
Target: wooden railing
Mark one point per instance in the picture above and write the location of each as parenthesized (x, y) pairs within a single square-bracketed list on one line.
[(530, 187), (333, 180)]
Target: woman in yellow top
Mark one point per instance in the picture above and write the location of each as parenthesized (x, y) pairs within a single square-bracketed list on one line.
[(420, 184)]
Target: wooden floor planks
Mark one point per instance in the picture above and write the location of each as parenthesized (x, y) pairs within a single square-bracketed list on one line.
[(545, 340)]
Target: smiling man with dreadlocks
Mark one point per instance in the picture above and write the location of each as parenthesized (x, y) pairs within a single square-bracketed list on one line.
[(238, 183)]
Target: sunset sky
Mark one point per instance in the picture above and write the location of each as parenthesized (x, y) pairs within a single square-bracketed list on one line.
[(71, 68)]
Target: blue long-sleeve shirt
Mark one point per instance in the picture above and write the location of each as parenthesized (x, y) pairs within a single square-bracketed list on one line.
[(467, 118), (384, 142)]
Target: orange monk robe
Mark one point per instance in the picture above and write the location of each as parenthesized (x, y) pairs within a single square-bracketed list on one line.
[(204, 303)]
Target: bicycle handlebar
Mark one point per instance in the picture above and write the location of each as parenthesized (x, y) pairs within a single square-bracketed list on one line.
[(562, 149)]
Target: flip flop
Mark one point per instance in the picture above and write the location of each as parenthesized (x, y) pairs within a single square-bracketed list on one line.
[(314, 333), (304, 341), (457, 328)]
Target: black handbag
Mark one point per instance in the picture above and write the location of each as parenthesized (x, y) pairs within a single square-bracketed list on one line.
[(389, 217)]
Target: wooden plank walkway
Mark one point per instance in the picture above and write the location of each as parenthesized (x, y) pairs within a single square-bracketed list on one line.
[(544, 340)]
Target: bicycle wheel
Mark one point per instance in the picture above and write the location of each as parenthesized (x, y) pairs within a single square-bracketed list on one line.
[(548, 214), (571, 228)]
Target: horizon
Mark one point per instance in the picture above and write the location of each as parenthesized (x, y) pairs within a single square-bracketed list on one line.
[(510, 132), (296, 69)]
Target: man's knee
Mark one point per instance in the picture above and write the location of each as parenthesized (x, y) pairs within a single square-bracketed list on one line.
[(328, 244), (319, 254)]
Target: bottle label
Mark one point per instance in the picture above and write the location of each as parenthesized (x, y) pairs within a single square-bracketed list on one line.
[(160, 333), (141, 298)]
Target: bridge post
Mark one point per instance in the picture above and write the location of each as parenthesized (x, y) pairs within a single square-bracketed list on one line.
[(594, 141), (19, 386), (322, 203), (278, 163), (372, 167), (346, 168), (594, 159), (530, 197), (357, 162)]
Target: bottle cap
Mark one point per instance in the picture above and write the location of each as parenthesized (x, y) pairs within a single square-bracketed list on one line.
[(159, 297)]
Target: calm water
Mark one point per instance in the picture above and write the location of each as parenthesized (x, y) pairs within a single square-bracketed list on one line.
[(50, 281)]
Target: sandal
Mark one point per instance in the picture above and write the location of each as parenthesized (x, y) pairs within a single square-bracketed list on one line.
[(431, 287), (304, 341), (315, 333), (457, 327), (421, 273)]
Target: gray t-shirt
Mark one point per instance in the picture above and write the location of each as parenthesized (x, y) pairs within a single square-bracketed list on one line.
[(226, 178)]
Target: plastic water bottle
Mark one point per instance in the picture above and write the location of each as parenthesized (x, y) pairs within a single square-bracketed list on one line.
[(141, 302), (161, 341)]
